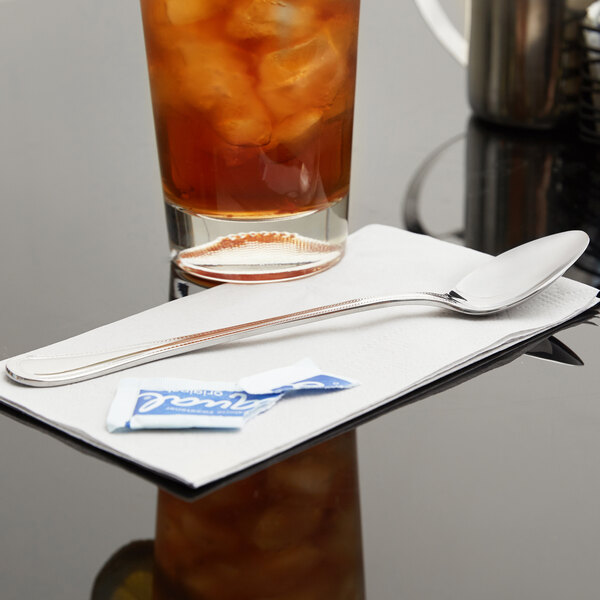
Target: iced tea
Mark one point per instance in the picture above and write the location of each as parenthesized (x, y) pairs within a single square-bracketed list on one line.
[(290, 532), (253, 103)]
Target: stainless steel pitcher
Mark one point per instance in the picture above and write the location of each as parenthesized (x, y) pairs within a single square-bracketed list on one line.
[(522, 57)]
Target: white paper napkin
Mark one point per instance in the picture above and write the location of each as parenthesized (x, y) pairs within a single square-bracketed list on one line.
[(390, 351)]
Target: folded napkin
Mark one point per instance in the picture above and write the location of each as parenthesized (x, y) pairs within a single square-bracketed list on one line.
[(390, 351)]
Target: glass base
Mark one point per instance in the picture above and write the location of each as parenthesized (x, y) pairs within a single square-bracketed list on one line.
[(261, 250)]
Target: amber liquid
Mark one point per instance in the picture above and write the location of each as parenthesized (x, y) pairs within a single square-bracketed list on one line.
[(253, 103), (289, 532)]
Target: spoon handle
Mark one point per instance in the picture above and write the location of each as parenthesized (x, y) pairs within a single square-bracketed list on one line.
[(44, 371)]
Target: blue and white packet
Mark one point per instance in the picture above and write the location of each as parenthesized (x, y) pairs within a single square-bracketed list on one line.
[(181, 404), (167, 403)]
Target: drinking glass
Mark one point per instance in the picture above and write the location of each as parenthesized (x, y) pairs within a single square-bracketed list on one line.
[(253, 104)]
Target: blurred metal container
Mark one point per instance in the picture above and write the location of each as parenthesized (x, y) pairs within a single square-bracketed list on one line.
[(523, 58), (523, 62)]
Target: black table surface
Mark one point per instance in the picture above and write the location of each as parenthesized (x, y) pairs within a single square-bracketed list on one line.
[(482, 487)]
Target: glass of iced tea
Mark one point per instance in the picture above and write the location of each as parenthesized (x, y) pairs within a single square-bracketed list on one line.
[(289, 532), (253, 104)]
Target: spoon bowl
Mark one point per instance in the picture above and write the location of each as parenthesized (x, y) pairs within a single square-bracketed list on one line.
[(519, 273), (496, 285)]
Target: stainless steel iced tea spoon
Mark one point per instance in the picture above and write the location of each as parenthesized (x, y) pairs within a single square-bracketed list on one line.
[(499, 283)]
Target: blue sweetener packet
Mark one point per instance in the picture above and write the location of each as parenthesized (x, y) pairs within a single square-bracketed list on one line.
[(168, 403), (181, 404)]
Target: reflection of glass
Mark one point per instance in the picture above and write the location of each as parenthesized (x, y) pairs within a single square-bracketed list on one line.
[(127, 575), (182, 285), (253, 105), (291, 531)]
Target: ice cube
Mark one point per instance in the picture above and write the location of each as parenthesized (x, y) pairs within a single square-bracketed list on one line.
[(210, 71), (242, 121), (215, 81), (184, 12), (305, 75), (235, 156), (258, 19), (294, 131)]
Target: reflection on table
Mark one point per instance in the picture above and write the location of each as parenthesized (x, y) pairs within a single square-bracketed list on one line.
[(289, 532), (520, 185)]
